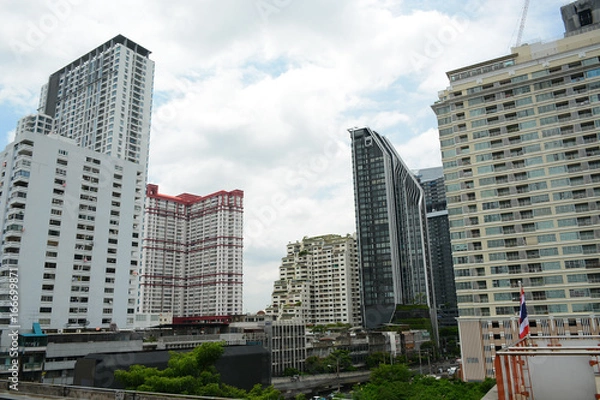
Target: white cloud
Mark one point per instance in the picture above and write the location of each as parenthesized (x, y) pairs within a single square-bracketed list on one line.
[(10, 136), (422, 151), (259, 99)]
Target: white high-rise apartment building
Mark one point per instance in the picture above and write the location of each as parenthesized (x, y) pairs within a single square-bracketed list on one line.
[(192, 263), (521, 154), (72, 191), (319, 282), (70, 233), (103, 100)]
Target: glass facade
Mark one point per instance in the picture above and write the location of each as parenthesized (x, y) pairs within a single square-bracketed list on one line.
[(432, 182), (391, 230)]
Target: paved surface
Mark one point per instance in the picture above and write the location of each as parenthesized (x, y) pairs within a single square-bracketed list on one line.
[(492, 394), (308, 384)]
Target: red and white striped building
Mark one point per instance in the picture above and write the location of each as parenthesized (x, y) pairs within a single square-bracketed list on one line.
[(192, 263)]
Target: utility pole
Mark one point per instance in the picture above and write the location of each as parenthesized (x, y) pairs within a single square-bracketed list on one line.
[(429, 363), (337, 371), (337, 361)]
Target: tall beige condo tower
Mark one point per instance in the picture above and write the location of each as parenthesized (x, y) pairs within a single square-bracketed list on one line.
[(521, 157)]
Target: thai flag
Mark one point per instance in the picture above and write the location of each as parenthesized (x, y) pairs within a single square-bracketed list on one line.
[(523, 319)]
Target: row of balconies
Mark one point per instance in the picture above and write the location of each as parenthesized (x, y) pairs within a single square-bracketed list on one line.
[(572, 78)]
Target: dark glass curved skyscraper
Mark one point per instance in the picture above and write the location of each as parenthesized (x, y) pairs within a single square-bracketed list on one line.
[(391, 229)]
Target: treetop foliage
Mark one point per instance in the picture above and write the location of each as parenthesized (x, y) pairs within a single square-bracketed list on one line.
[(191, 373), (397, 382)]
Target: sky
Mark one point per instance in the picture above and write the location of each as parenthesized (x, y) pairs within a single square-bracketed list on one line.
[(258, 95)]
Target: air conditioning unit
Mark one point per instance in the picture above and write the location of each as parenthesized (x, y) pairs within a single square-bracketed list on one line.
[(59, 330)]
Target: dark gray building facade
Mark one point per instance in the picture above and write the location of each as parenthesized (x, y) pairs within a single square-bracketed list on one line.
[(391, 230), (440, 248)]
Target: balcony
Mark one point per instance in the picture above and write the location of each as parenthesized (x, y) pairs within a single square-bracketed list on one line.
[(25, 151), (17, 202), (572, 155), (587, 126), (20, 181), (564, 118)]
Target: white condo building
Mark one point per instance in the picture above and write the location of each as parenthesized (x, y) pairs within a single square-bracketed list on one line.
[(318, 282), (70, 224), (72, 191), (103, 100), (192, 263)]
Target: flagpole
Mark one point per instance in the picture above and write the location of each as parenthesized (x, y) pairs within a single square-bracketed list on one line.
[(523, 317), (524, 338)]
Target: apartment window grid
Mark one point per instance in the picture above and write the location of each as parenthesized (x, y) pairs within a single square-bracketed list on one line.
[(202, 255), (514, 154), (314, 282), (103, 103), (455, 184)]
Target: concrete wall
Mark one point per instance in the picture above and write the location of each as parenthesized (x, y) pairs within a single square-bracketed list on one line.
[(86, 393)]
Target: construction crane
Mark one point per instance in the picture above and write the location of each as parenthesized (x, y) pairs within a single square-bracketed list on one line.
[(522, 23)]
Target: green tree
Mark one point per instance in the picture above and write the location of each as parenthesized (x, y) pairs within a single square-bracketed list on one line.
[(449, 341), (136, 376), (319, 329), (390, 373), (314, 365), (397, 382), (375, 359), (429, 348), (339, 360), (389, 391), (291, 371), (191, 373), (260, 393)]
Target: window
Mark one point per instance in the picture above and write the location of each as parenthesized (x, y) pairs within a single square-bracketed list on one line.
[(526, 214), (565, 208), (533, 253), (497, 256), (549, 252), (544, 225), (551, 237), (495, 243), (528, 227), (585, 17), (505, 310), (577, 278)]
